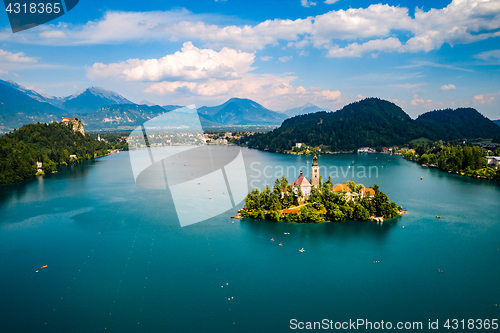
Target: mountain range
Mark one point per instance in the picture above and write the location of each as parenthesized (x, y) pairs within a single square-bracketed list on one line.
[(363, 123), (373, 122), (101, 109)]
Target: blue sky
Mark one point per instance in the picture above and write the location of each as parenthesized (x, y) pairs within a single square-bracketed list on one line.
[(281, 54)]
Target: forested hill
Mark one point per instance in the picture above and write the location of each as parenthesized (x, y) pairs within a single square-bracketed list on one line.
[(460, 123), (371, 122), (51, 144), (374, 122)]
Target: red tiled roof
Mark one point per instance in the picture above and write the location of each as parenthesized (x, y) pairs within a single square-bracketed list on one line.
[(341, 187), (367, 191), (65, 118), (302, 181)]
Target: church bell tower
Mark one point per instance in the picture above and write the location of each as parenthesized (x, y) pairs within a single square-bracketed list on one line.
[(315, 172)]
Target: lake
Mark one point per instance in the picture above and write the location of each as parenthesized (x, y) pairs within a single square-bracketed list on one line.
[(119, 261)]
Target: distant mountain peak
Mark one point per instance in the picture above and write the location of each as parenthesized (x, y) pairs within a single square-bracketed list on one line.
[(146, 102), (306, 108)]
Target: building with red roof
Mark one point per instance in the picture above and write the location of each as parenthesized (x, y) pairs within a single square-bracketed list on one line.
[(341, 187), (304, 184), (367, 192)]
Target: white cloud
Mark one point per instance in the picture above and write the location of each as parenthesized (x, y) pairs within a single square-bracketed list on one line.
[(304, 53), (52, 34), (210, 74), (190, 64), (2, 72), (266, 58), (285, 58), (306, 3), (356, 50), (448, 87), (20, 57), (375, 21), (367, 30), (483, 99), (461, 22), (493, 55), (330, 2), (416, 100)]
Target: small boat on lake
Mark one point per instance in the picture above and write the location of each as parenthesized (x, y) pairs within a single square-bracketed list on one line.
[(302, 250)]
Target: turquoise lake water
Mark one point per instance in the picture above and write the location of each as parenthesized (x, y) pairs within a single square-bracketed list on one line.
[(119, 261)]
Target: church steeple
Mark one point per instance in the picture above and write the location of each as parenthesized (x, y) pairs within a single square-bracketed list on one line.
[(315, 172)]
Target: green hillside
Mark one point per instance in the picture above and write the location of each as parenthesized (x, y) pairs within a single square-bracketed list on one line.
[(374, 122), (371, 122), (466, 123), (51, 144)]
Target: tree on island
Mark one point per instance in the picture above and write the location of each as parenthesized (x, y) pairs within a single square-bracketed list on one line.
[(322, 205)]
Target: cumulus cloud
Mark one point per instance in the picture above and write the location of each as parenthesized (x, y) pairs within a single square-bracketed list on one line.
[(483, 99), (266, 58), (447, 87), (306, 3), (20, 57), (367, 30), (416, 100), (190, 64), (330, 2), (208, 73)]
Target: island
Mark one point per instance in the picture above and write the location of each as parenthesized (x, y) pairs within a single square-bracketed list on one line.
[(314, 201)]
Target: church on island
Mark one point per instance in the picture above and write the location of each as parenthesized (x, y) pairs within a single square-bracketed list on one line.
[(306, 186)]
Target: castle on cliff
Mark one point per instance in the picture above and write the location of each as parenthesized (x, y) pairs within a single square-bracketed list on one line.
[(75, 123)]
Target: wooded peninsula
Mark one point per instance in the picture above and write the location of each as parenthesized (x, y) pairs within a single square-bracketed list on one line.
[(41, 148)]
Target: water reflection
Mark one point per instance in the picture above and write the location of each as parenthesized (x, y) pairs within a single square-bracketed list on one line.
[(338, 232)]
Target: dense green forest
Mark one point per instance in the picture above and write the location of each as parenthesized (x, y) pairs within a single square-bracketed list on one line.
[(322, 205), (52, 144), (461, 159), (372, 122), (462, 123)]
